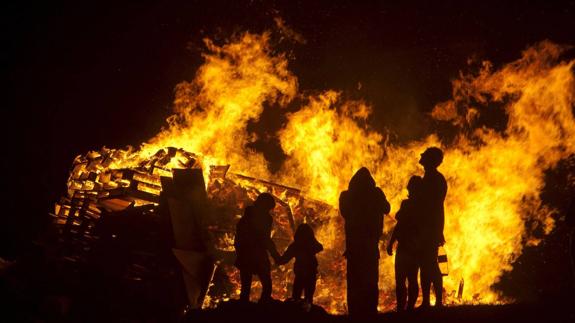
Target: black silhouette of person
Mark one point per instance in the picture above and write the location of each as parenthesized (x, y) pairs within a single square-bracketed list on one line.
[(434, 190), (362, 207), (406, 233), (253, 243), (304, 248)]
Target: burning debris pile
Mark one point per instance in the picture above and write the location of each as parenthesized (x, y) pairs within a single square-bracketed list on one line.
[(100, 195), (95, 184), (495, 170)]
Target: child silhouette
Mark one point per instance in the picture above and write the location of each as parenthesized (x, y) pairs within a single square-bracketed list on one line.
[(304, 248), (406, 233)]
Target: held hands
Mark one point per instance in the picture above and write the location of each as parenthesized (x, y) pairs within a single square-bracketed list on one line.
[(277, 262)]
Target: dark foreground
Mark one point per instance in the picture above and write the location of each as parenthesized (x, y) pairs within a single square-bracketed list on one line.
[(286, 312), (31, 291), (277, 312)]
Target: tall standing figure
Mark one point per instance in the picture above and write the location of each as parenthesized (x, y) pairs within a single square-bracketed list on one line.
[(253, 243), (434, 189), (362, 207)]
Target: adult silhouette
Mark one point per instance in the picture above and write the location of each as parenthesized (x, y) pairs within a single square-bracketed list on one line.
[(433, 191), (362, 207), (253, 243)]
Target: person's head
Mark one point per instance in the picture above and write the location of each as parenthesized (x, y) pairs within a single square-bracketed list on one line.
[(414, 186), (265, 202), (431, 158), (304, 233), (361, 180)]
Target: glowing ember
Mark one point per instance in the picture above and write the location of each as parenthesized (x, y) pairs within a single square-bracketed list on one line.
[(494, 177)]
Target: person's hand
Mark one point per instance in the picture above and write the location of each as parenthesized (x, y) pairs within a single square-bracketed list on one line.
[(277, 259), (390, 249)]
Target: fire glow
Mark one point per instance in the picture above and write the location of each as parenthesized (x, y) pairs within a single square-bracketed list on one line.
[(494, 176)]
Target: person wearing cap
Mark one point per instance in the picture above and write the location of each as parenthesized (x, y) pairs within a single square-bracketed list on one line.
[(434, 190)]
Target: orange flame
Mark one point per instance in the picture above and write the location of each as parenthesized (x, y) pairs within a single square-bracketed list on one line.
[(494, 177)]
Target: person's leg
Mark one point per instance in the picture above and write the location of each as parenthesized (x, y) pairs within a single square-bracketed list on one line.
[(266, 280), (297, 287), (438, 287), (246, 281), (372, 288), (436, 278), (413, 288), (426, 264), (400, 275), (310, 287), (353, 302)]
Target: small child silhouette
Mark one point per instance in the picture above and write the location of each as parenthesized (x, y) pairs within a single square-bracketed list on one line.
[(304, 248)]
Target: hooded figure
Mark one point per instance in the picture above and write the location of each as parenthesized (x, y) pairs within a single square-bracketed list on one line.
[(362, 207)]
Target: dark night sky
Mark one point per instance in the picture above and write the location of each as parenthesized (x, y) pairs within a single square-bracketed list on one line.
[(79, 75)]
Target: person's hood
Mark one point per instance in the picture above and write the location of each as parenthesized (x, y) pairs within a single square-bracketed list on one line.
[(361, 180)]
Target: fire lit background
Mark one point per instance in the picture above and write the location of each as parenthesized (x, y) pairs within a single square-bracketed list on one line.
[(303, 94)]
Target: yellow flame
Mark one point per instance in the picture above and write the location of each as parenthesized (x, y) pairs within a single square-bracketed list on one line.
[(325, 146), (228, 91), (494, 177)]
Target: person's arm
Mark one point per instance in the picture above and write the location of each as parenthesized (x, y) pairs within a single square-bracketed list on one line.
[(392, 241), (318, 247), (386, 207), (271, 247), (268, 242), (344, 204), (383, 208), (443, 194), (287, 256), (399, 217)]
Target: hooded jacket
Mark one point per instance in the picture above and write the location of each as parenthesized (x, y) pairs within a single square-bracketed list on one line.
[(362, 206)]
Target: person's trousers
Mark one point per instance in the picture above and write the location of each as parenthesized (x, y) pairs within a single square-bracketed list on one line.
[(431, 274), (246, 281), (304, 283), (406, 268), (362, 289)]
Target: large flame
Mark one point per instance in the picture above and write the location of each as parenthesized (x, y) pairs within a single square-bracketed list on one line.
[(494, 176), (228, 91)]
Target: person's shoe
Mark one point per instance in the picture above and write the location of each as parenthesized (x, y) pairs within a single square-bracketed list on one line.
[(266, 300), (423, 307), (306, 306)]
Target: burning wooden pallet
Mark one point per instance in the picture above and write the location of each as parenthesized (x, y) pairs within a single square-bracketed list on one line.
[(113, 184)]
